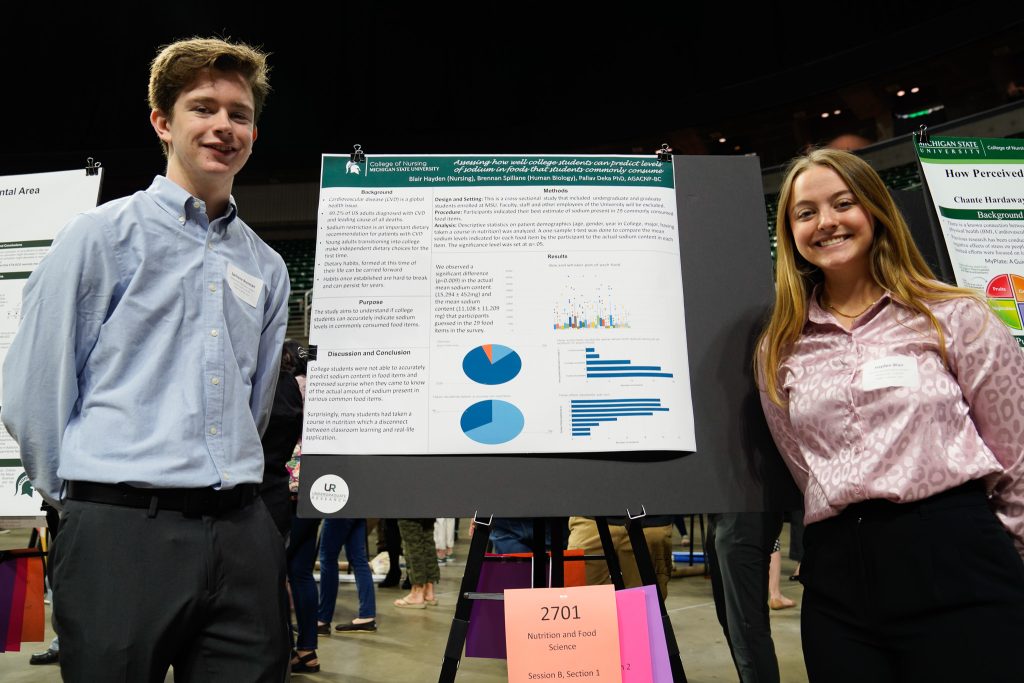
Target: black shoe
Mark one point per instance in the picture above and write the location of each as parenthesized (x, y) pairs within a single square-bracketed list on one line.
[(323, 629), (368, 627), (391, 580), (301, 665), (407, 584), (50, 656)]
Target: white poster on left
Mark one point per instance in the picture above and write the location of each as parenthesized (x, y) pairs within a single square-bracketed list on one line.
[(33, 209)]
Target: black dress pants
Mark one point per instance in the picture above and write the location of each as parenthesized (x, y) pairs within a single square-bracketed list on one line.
[(738, 548), (929, 591), (135, 594)]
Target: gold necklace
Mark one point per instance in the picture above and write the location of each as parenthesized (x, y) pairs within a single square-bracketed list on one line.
[(829, 306)]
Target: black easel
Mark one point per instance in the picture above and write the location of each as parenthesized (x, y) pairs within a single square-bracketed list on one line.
[(474, 564)]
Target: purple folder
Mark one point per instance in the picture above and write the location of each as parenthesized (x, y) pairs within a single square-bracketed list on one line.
[(486, 635)]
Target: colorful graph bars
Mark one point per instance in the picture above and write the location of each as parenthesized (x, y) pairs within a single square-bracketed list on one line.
[(599, 368), (591, 312), (589, 413), (574, 322)]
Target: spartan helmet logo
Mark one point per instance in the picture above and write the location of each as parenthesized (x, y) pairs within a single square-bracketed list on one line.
[(23, 486)]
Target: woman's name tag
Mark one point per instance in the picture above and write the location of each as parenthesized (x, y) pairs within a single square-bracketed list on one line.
[(891, 371)]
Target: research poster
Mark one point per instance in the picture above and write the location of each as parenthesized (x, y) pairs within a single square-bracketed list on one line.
[(977, 188), (498, 304), (33, 209)]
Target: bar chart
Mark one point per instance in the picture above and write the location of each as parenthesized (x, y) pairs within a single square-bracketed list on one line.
[(598, 310), (586, 414), (602, 368)]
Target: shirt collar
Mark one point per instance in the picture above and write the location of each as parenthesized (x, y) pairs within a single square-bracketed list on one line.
[(817, 314), (177, 202)]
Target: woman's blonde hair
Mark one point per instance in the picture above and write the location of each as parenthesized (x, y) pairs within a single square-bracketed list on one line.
[(896, 263)]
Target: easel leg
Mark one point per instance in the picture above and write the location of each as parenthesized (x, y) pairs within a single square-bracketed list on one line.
[(460, 622), (557, 552), (693, 529), (540, 554), (611, 557)]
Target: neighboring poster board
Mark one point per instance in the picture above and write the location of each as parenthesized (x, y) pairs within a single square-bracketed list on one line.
[(33, 209), (977, 189), (727, 283)]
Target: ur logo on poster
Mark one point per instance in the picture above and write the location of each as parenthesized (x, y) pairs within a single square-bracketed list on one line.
[(329, 493)]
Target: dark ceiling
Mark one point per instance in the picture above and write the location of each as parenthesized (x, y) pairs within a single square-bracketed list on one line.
[(494, 78)]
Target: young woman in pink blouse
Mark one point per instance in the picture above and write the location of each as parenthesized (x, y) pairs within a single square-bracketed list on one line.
[(898, 404)]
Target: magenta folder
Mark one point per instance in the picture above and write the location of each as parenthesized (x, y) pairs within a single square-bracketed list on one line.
[(634, 637), (660, 669)]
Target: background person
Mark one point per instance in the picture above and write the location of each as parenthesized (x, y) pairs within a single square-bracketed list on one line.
[(282, 434), (350, 533), (738, 548), (420, 561)]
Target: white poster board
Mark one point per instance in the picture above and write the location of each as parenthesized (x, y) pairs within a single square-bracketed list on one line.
[(33, 209), (497, 304), (977, 188)]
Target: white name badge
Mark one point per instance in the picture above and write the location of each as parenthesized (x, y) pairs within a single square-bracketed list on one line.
[(891, 371), (246, 287)]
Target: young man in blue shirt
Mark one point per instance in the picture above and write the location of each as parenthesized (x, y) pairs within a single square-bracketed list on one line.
[(138, 386)]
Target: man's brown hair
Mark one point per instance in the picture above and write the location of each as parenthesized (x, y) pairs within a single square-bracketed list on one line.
[(178, 64)]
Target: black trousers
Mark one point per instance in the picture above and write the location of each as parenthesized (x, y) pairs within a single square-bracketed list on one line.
[(738, 547), (926, 591), (135, 594)]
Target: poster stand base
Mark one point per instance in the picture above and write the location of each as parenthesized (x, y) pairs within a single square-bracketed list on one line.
[(474, 565)]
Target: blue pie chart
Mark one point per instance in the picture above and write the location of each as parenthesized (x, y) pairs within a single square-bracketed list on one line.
[(492, 422), (492, 364)]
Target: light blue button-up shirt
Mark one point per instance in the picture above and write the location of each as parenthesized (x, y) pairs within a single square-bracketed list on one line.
[(138, 360)]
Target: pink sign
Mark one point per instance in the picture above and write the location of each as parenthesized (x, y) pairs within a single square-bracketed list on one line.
[(660, 667), (634, 639)]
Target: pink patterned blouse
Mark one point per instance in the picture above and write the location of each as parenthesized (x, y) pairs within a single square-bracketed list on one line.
[(872, 412)]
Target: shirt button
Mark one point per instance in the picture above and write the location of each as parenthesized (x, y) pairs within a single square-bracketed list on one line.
[(181, 219), (196, 204), (213, 430), (213, 286), (215, 381), (214, 332)]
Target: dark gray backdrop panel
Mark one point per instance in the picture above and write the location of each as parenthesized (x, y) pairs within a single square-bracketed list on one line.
[(926, 231), (727, 289)]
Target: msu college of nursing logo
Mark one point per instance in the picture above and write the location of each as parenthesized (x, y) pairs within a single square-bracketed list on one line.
[(329, 493)]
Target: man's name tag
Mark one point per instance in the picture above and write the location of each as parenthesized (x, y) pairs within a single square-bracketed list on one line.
[(891, 371), (246, 287)]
